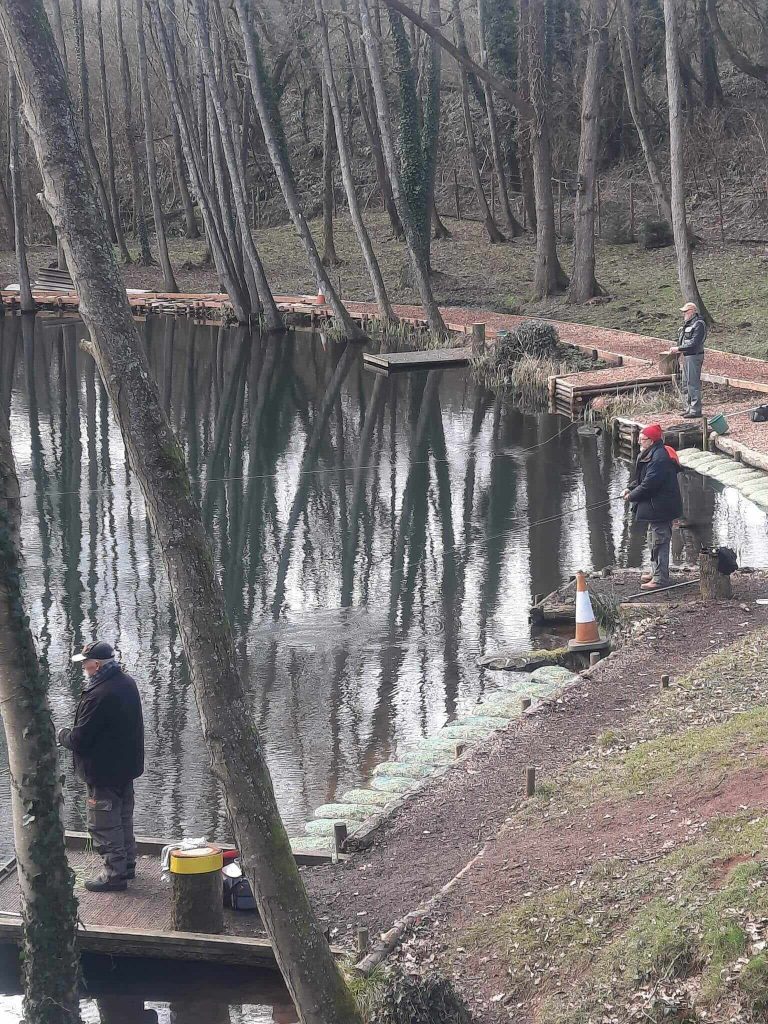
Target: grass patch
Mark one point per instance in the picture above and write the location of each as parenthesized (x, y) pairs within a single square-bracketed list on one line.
[(627, 929)]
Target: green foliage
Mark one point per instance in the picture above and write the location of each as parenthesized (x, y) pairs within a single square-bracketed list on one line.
[(753, 985), (615, 226), (412, 999), (655, 234)]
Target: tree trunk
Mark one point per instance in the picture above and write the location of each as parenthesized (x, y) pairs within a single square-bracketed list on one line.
[(418, 266), (125, 256), (430, 128), (549, 276), (25, 290), (494, 235), (713, 585), (278, 153), (139, 220), (630, 66), (524, 123), (685, 271), (584, 285), (192, 231), (512, 226), (330, 259), (237, 758), (264, 292), (85, 114), (169, 281), (49, 908), (345, 162), (439, 230), (711, 88), (58, 31)]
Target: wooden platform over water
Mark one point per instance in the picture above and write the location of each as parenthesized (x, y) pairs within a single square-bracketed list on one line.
[(137, 923), (426, 359)]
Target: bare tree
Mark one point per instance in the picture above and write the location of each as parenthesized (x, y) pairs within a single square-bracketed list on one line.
[(739, 59), (584, 284), (25, 289), (685, 270), (49, 908), (125, 256), (237, 758), (330, 259)]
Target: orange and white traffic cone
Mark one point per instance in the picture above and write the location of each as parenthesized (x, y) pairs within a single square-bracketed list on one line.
[(320, 300), (587, 634)]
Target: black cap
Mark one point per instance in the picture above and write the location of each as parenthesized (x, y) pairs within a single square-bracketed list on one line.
[(99, 650)]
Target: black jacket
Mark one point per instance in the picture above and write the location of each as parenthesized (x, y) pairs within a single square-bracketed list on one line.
[(655, 491), (107, 739), (692, 336)]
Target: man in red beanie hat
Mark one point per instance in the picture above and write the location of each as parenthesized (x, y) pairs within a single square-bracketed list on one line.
[(655, 497)]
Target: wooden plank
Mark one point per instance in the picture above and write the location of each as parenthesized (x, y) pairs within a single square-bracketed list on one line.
[(421, 360), (139, 942), (152, 846)]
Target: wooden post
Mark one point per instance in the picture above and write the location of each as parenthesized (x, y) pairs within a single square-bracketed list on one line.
[(560, 208), (478, 338), (493, 196), (594, 657), (704, 433), (714, 585), (635, 438), (196, 891), (665, 682), (632, 210), (720, 209), (525, 703), (599, 212), (530, 781), (459, 749), (339, 836), (456, 193), (525, 215), (362, 940)]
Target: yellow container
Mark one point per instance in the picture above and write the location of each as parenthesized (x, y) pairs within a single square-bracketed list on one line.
[(196, 862)]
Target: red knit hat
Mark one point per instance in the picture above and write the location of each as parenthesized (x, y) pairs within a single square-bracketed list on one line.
[(653, 432)]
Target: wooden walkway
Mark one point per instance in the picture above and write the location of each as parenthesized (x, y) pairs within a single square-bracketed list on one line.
[(427, 359), (137, 923)]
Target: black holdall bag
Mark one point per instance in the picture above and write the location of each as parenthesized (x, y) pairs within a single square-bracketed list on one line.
[(237, 889), (760, 414)]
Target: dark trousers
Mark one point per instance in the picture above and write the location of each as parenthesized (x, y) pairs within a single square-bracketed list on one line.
[(110, 823), (692, 382), (659, 541)]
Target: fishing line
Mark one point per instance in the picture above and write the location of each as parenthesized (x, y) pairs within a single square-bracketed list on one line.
[(319, 471)]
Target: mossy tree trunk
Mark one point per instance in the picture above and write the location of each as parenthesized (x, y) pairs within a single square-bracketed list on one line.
[(584, 284), (412, 232), (237, 758), (169, 281), (49, 908), (685, 271), (17, 198), (125, 256)]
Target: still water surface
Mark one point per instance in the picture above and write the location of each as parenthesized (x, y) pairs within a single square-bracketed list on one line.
[(374, 536)]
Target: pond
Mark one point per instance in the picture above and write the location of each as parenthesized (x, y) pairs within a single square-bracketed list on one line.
[(375, 535)]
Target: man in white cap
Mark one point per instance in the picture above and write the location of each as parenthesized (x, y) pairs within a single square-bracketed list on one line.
[(107, 744), (691, 339)]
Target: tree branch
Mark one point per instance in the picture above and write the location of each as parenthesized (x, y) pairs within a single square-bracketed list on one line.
[(738, 59), (502, 87)]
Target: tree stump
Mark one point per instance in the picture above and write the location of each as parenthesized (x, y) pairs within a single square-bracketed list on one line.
[(714, 586), (668, 362), (197, 902)]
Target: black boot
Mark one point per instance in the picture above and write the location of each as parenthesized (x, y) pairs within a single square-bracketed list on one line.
[(106, 883)]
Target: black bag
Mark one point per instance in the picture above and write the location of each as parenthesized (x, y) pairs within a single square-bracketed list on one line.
[(726, 561), (760, 414), (238, 893)]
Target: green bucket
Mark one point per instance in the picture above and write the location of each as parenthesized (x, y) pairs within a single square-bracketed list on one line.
[(719, 424)]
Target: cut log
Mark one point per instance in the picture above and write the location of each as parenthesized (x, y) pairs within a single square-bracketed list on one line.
[(714, 585), (197, 902)]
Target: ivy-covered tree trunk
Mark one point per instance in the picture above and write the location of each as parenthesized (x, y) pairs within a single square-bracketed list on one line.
[(685, 271), (549, 276), (412, 232), (584, 284), (237, 759), (169, 281), (524, 123), (17, 198), (277, 147), (345, 162), (49, 908)]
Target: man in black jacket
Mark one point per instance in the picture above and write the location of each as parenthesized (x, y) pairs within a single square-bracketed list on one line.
[(691, 339), (655, 495), (107, 744)]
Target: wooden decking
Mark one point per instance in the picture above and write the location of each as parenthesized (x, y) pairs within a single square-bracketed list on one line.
[(571, 393), (137, 923), (428, 359)]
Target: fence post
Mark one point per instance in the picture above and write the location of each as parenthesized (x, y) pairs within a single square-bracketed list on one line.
[(631, 210), (493, 196), (456, 193), (720, 208), (560, 207), (599, 212)]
